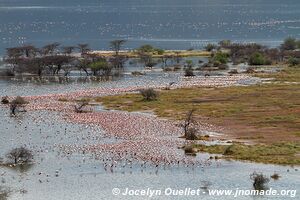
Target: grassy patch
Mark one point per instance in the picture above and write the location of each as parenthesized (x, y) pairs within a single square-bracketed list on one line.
[(288, 74), (268, 105), (282, 153), (265, 113)]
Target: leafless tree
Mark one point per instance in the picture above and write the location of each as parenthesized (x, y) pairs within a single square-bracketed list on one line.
[(116, 45), (190, 132), (79, 108), (20, 155), (50, 49), (83, 48), (67, 50)]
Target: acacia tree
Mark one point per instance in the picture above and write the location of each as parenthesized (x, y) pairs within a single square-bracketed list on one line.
[(50, 49), (83, 64), (13, 58), (101, 67), (117, 60), (83, 48), (289, 44), (116, 45), (68, 50)]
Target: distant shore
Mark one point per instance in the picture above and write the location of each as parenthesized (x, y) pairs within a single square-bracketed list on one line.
[(134, 54)]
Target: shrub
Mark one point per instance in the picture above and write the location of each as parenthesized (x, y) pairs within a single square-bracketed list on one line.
[(80, 107), (149, 94), (233, 71), (257, 59), (275, 176), (20, 155), (191, 134), (19, 101), (137, 73), (168, 69), (229, 150), (289, 44), (5, 100), (221, 57), (293, 61), (177, 67), (190, 150), (189, 72), (259, 181)]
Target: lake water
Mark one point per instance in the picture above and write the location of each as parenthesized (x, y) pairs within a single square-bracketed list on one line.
[(170, 24)]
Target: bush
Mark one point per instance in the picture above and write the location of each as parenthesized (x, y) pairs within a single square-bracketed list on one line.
[(289, 44), (259, 181), (149, 94), (5, 100), (221, 57), (191, 134), (137, 73), (20, 155), (233, 71), (189, 72), (190, 150), (19, 101), (275, 176), (293, 61), (257, 59), (228, 150)]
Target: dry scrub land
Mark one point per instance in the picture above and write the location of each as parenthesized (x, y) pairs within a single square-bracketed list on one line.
[(267, 115)]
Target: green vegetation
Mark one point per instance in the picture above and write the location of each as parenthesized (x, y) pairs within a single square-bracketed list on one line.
[(293, 61), (210, 47), (101, 66), (221, 57), (258, 59), (149, 94), (265, 114), (280, 153), (267, 105), (290, 44)]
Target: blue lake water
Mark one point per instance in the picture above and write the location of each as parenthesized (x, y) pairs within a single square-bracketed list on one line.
[(170, 24)]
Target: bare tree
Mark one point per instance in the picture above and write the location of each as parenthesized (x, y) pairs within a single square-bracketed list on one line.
[(50, 49), (83, 48), (20, 155), (67, 50), (190, 132), (116, 45)]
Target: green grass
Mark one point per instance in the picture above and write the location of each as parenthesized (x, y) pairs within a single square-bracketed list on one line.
[(271, 111), (269, 105), (281, 153)]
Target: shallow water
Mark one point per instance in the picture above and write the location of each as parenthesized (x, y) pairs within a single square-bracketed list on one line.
[(170, 24), (59, 175)]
